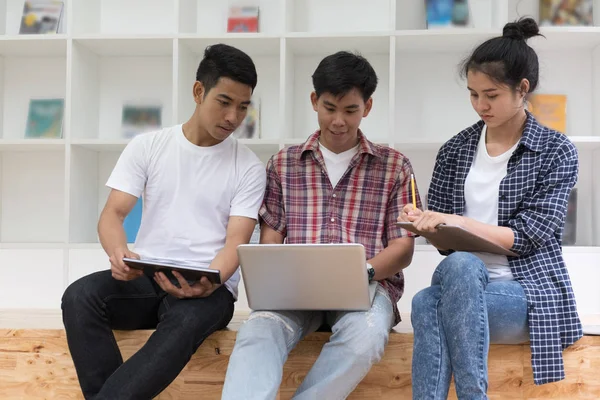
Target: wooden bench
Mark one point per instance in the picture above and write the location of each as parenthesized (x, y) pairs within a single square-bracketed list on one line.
[(35, 364)]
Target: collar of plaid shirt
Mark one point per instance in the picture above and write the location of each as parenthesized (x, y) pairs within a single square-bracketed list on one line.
[(364, 146)]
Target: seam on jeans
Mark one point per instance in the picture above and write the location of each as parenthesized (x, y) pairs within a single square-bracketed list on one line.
[(112, 336), (116, 347), (439, 337), (391, 304), (482, 310), (439, 275), (381, 289), (166, 303), (125, 297), (210, 331), (506, 295), (215, 326)]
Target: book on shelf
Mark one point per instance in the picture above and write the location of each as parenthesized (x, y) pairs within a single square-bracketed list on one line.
[(242, 19), (550, 110), (447, 13), (566, 12), (136, 119), (250, 127), (45, 119), (40, 17), (132, 221)]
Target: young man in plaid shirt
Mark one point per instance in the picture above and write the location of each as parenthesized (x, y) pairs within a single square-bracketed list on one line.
[(337, 187)]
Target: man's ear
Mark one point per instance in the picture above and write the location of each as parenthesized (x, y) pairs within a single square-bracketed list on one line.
[(368, 106), (314, 100), (198, 92)]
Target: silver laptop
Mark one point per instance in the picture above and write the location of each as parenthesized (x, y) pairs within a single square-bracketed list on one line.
[(306, 277)]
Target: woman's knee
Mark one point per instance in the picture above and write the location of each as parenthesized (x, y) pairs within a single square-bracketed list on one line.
[(507, 313), (461, 265), (424, 304)]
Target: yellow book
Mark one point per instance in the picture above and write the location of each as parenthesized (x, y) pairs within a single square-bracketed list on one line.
[(550, 110)]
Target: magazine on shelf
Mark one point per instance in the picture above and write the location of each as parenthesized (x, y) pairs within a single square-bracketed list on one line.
[(41, 17), (138, 119), (250, 127), (243, 19), (549, 110), (566, 12), (447, 13), (45, 119)]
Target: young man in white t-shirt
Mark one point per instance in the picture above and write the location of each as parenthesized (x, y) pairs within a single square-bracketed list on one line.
[(202, 191)]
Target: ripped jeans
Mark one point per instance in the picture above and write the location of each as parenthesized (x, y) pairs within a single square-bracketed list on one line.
[(264, 341)]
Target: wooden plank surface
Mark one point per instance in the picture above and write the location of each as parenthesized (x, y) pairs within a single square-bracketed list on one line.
[(35, 364)]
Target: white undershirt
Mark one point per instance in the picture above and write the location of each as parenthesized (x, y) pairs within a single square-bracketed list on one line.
[(481, 199), (337, 164)]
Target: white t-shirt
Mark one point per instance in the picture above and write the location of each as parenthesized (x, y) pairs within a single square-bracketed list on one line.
[(189, 194), (337, 164), (481, 200)]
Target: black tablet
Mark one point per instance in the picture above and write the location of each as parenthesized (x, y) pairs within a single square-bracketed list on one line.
[(189, 272)]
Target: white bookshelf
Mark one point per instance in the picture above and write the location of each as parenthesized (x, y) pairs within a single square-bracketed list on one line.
[(111, 52)]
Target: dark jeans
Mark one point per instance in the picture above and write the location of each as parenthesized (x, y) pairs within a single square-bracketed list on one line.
[(96, 304)]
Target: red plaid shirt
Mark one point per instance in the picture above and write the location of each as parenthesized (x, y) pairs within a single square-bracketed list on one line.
[(301, 204)]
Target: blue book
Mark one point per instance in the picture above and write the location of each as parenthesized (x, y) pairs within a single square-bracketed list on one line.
[(45, 118), (132, 221), (447, 13), (439, 13)]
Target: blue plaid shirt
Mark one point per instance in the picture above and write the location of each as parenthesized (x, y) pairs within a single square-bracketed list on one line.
[(533, 203)]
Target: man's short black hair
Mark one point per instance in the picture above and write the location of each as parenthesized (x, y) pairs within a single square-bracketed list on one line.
[(224, 61), (343, 71)]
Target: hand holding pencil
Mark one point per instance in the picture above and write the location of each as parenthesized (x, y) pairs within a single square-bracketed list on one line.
[(410, 212)]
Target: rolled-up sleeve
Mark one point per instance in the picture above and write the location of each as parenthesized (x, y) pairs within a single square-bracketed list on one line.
[(439, 197), (400, 196), (272, 211), (542, 214)]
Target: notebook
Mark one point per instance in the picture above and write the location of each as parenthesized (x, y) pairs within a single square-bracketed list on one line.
[(457, 238)]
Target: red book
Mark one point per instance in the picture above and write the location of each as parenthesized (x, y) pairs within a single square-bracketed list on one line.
[(243, 19)]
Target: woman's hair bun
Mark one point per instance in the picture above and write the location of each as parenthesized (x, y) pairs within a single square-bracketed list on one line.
[(522, 29)]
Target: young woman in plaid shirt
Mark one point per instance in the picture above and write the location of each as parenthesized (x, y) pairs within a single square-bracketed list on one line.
[(506, 178)]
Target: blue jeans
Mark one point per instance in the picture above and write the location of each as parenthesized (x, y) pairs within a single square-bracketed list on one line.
[(357, 342), (454, 321), (96, 304)]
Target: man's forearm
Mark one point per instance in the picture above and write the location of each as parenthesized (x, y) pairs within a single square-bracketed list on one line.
[(392, 259), (502, 235), (111, 232), (226, 261)]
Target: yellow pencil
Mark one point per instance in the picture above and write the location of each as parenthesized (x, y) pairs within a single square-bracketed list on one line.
[(414, 196)]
